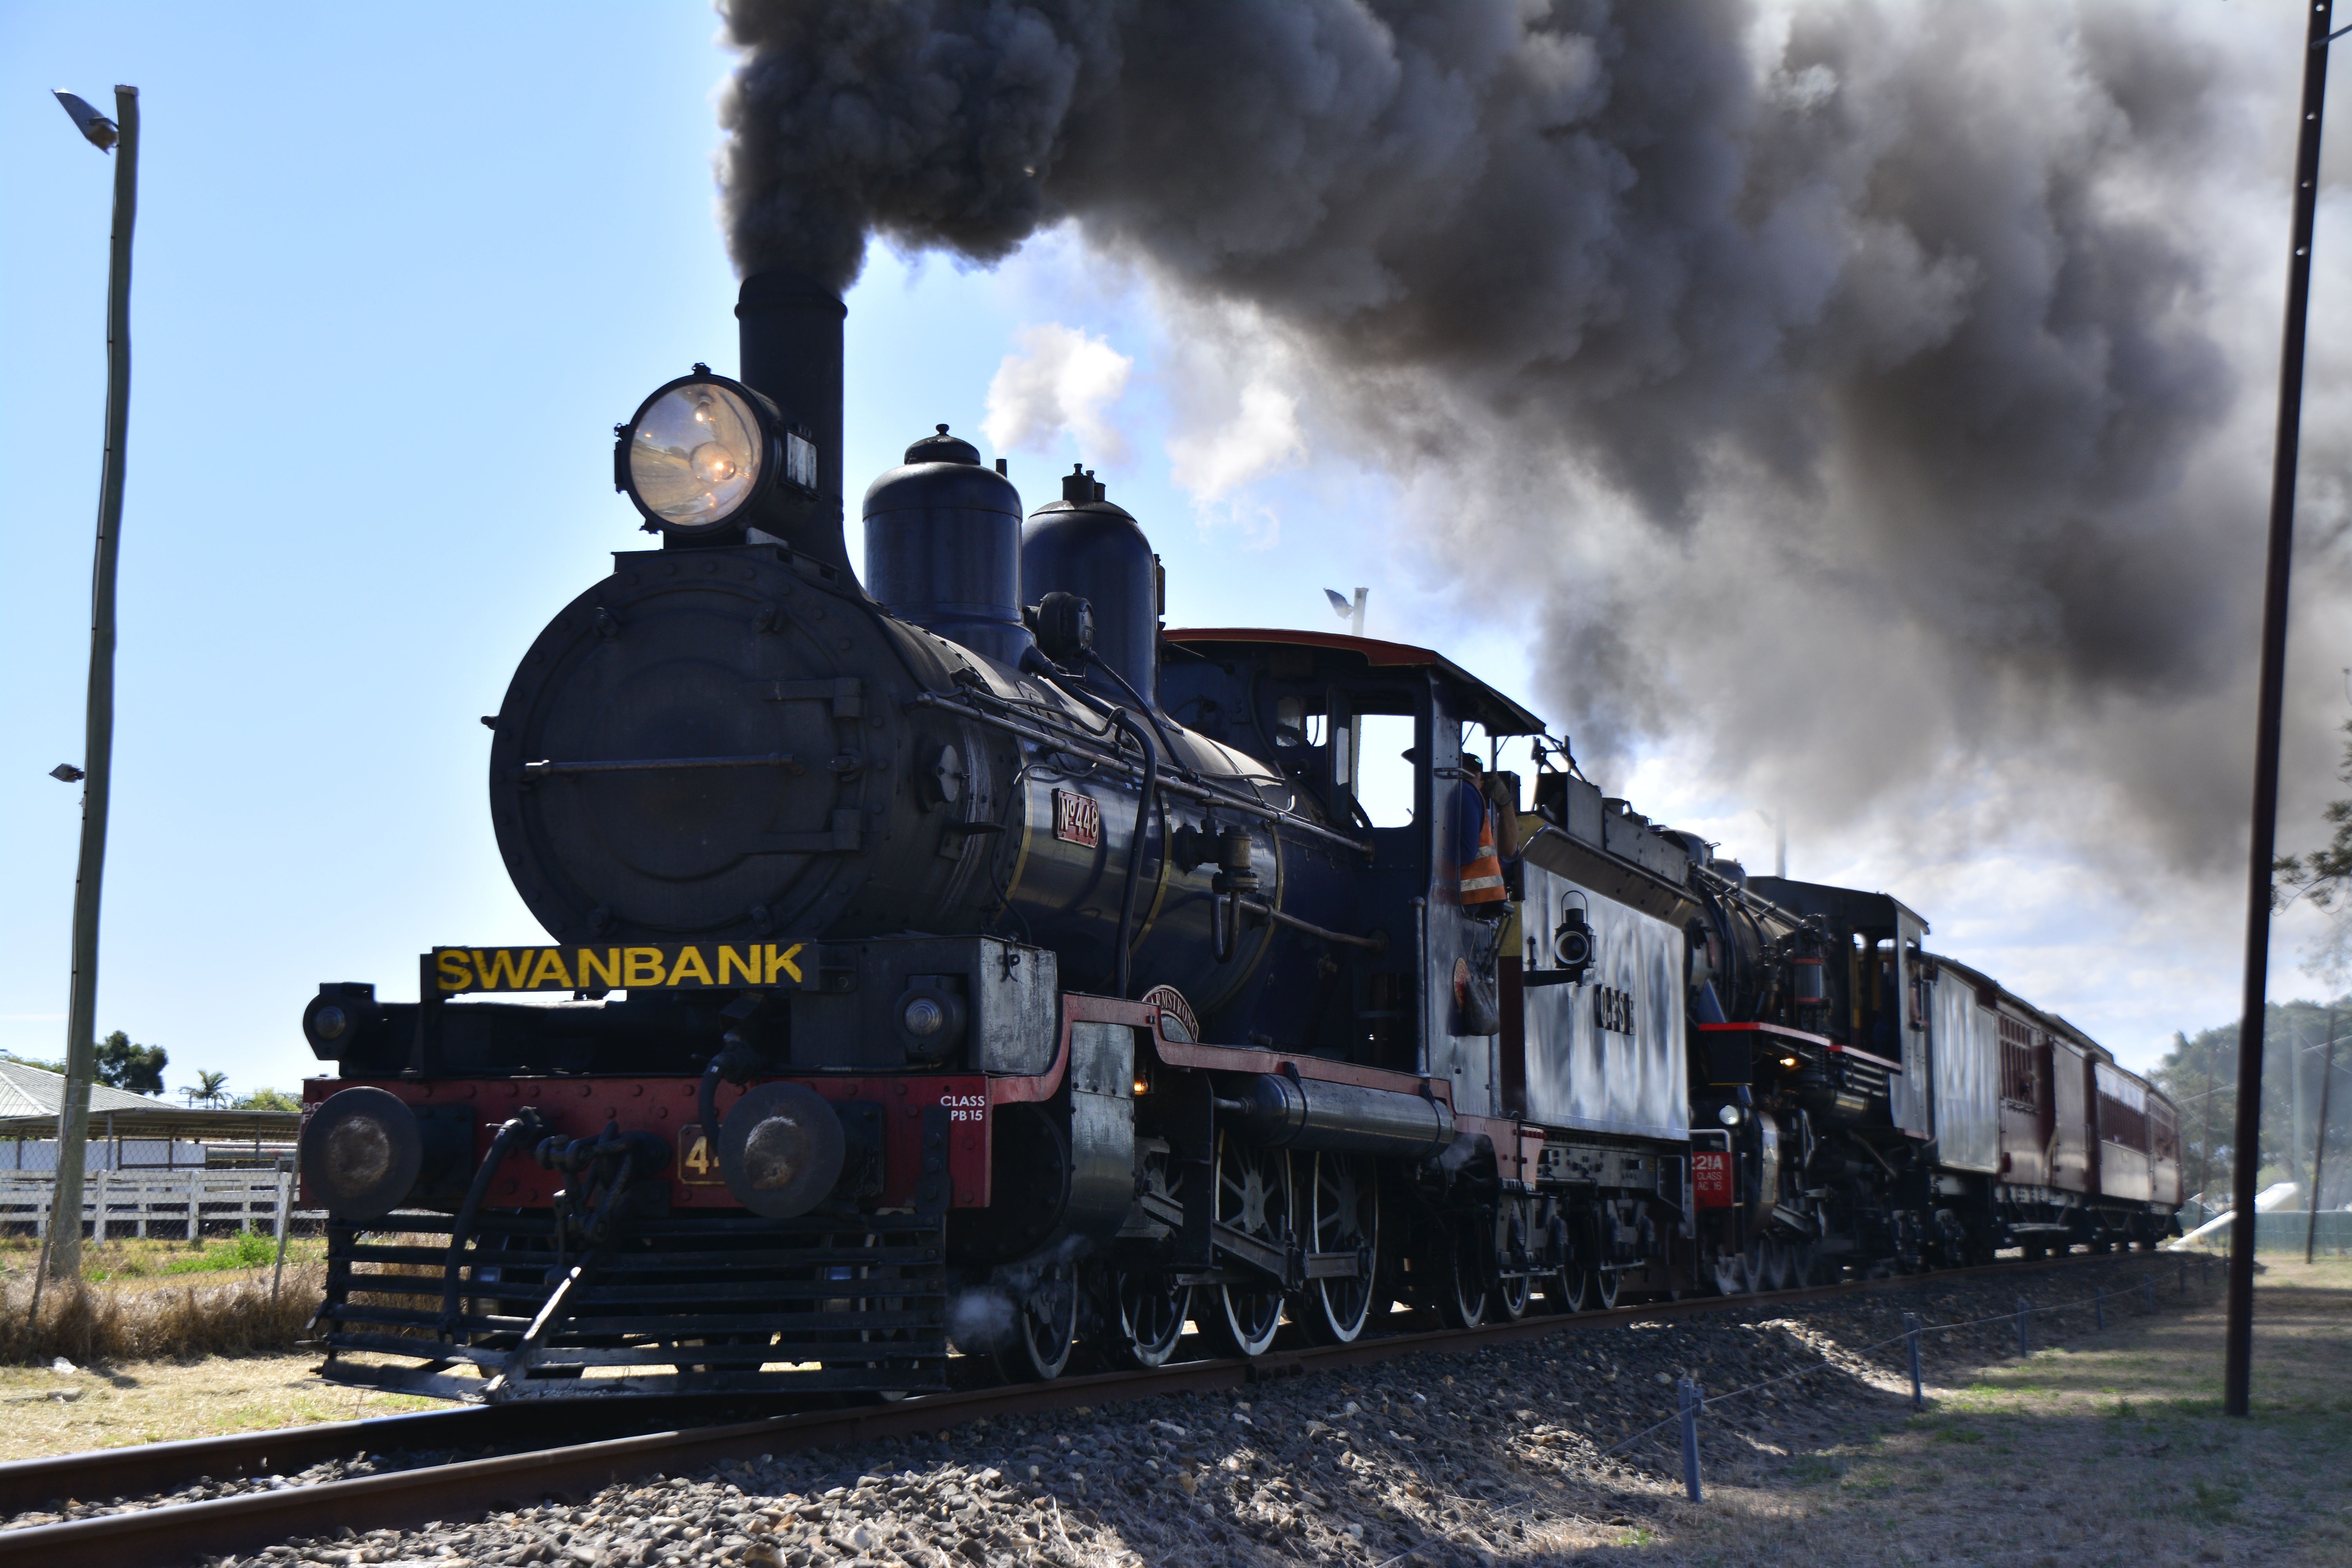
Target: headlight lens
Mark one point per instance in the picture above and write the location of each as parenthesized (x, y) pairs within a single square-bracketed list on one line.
[(694, 454)]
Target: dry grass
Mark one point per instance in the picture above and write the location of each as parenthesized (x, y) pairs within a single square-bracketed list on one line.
[(2111, 1449), (161, 1402), (162, 1316), (161, 1351)]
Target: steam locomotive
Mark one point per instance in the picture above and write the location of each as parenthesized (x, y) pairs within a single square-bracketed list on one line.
[(962, 972)]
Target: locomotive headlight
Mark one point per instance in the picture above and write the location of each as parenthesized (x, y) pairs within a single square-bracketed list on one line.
[(702, 450), (931, 1017), (694, 454), (1731, 1116)]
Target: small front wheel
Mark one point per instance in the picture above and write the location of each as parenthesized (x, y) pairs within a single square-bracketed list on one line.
[(1149, 1314), (1034, 1346), (1515, 1256), (1467, 1278)]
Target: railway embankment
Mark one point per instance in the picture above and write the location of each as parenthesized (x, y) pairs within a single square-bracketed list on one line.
[(1546, 1450)]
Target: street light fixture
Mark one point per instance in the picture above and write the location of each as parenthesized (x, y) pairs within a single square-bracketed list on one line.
[(101, 132), (1351, 613)]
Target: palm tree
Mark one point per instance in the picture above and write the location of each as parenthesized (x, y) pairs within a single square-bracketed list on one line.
[(209, 1087)]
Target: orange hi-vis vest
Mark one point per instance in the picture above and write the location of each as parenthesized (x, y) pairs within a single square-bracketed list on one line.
[(1482, 872)]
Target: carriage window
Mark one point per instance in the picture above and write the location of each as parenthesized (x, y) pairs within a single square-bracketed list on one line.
[(1294, 724), (1384, 774)]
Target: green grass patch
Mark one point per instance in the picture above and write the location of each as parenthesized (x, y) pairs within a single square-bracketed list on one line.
[(1814, 1469), (2211, 1502)]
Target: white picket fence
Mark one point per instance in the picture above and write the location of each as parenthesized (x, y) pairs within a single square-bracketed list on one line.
[(175, 1203)]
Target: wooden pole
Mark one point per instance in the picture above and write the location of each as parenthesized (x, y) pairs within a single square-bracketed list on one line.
[(2238, 1339), (98, 756)]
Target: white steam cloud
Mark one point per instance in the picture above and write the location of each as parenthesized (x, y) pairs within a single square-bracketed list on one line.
[(1058, 381)]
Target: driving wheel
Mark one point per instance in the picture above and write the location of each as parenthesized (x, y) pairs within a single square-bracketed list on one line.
[(1252, 1196), (1343, 1218)]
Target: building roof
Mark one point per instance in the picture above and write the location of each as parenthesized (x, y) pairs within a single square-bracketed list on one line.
[(29, 1091), (29, 1096)]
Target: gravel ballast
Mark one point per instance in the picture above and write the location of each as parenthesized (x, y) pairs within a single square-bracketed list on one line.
[(1458, 1457)]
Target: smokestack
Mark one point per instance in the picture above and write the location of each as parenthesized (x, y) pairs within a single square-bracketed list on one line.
[(789, 337)]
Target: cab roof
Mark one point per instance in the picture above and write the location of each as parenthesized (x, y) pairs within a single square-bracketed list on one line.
[(1497, 713)]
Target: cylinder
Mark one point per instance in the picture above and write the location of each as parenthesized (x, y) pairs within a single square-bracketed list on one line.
[(788, 334), (1315, 1117), (1085, 544), (943, 547)]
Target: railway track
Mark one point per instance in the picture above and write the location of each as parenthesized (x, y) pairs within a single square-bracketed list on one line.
[(549, 1457)]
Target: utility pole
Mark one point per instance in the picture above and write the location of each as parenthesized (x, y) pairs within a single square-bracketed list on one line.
[(64, 1261), (2205, 1143), (2238, 1340), (2295, 1051), (2319, 1141)]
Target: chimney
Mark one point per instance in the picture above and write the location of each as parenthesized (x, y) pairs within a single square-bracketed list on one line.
[(788, 334)]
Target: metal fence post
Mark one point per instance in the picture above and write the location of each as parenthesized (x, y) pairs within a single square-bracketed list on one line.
[(1911, 1338), (2025, 1347), (2099, 1305), (1687, 1393)]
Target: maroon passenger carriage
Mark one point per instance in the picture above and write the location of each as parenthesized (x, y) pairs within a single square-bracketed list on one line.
[(960, 960)]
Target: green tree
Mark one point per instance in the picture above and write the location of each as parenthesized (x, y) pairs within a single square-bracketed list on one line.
[(139, 1070), (2201, 1075), (56, 1068), (210, 1087), (2323, 876), (267, 1099)]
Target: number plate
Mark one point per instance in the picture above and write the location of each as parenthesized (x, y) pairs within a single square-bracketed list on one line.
[(1077, 819), (1711, 1178), (697, 1162)]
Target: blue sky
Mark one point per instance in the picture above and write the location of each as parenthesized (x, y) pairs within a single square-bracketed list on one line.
[(391, 294)]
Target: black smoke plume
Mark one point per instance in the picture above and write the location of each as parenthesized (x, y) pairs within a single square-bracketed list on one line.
[(1849, 383)]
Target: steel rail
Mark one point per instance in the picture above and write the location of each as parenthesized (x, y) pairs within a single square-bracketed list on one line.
[(141, 1538), (146, 1468)]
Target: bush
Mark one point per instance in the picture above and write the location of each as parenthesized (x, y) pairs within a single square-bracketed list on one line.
[(246, 1249)]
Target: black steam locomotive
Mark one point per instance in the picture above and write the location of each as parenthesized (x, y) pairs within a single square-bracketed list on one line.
[(963, 961)]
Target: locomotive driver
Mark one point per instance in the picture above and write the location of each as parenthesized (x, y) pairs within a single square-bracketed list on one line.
[(1484, 891)]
